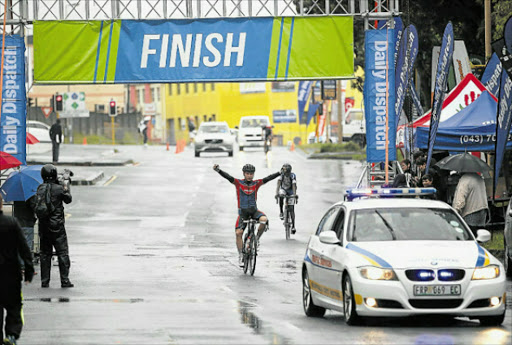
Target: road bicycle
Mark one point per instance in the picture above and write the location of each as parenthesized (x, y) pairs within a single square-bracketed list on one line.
[(288, 205), (267, 145), (250, 247)]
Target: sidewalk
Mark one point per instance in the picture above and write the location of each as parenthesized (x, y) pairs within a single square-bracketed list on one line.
[(78, 158)]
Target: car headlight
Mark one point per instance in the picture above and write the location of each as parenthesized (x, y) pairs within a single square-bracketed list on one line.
[(487, 272), (377, 273)]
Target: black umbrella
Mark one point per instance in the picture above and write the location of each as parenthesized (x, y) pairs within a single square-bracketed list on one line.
[(464, 163)]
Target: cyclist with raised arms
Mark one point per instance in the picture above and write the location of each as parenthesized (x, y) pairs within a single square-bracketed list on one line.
[(286, 185), (247, 194)]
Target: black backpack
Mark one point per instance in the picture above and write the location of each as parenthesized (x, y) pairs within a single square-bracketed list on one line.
[(43, 205)]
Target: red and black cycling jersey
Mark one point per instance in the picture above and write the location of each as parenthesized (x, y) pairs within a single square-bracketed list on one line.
[(247, 192)]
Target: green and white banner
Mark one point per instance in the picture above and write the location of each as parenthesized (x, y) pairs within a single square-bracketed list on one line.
[(162, 51)]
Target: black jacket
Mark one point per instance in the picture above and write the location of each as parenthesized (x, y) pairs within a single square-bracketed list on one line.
[(58, 196), (56, 132), (12, 244), (24, 212)]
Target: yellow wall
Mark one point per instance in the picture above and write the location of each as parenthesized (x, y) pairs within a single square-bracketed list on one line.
[(228, 104)]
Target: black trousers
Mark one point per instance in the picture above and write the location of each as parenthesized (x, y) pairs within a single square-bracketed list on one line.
[(11, 301), (55, 151), (59, 241)]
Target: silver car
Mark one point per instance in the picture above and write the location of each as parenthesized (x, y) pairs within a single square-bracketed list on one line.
[(213, 137), (508, 240)]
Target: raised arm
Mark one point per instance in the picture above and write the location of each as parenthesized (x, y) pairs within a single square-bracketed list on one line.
[(271, 177), (224, 174)]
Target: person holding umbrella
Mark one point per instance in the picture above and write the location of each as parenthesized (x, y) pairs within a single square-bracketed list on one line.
[(20, 187), (470, 199)]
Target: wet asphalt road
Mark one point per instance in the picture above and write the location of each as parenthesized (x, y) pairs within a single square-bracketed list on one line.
[(154, 261)]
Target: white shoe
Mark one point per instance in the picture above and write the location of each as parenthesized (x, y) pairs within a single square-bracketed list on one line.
[(241, 260)]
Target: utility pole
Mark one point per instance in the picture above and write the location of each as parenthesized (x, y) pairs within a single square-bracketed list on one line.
[(340, 110), (487, 11)]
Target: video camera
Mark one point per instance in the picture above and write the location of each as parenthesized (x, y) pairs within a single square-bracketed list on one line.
[(64, 178)]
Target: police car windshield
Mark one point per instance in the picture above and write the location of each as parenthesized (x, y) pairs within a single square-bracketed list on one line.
[(409, 224), (213, 129)]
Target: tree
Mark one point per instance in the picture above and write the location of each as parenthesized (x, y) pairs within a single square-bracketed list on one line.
[(501, 11)]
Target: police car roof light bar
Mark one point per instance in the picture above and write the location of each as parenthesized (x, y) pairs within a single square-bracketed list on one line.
[(352, 194)]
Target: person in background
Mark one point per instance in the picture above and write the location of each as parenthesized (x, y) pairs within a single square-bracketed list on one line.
[(12, 247), (56, 137), (23, 211), (470, 200), (428, 182)]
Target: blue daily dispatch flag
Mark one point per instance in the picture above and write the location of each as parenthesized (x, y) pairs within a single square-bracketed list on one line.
[(13, 133), (443, 66), (503, 122), (302, 95), (399, 29), (415, 99), (491, 76), (313, 107), (379, 98), (406, 58)]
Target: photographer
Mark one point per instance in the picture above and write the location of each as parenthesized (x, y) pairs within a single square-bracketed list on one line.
[(50, 210)]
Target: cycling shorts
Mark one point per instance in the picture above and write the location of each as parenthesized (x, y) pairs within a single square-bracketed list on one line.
[(247, 214)]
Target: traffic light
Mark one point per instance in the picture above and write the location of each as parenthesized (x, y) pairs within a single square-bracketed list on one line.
[(58, 103), (30, 102), (112, 109)]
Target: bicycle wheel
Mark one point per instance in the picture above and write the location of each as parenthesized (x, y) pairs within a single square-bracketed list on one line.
[(253, 253), (246, 254), (287, 223)]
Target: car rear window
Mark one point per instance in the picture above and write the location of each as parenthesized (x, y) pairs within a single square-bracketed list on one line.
[(213, 129), (254, 123), (409, 224)]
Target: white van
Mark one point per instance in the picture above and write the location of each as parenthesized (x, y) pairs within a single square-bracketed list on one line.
[(354, 126), (250, 131)]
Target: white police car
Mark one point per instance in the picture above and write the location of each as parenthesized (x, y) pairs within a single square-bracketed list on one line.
[(400, 257)]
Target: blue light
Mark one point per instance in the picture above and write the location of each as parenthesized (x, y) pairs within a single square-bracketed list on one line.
[(425, 275), (387, 192), (446, 274)]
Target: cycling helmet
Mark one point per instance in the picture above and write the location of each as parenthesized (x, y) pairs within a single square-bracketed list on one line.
[(49, 172), (248, 168), (287, 168)]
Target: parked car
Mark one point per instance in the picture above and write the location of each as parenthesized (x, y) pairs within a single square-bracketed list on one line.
[(507, 237), (400, 257), (250, 131), (41, 131), (354, 126), (213, 137)]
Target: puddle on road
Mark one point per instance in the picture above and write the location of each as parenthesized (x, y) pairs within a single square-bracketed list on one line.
[(100, 300), (250, 319)]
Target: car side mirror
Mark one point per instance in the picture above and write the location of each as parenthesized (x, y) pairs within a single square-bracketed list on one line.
[(483, 235), (329, 237)]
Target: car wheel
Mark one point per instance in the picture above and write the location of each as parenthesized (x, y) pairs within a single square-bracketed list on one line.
[(241, 148), (492, 320), (197, 154), (349, 303), (230, 153), (310, 309), (507, 262)]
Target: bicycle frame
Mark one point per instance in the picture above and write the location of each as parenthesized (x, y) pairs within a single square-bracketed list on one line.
[(249, 248), (288, 202)]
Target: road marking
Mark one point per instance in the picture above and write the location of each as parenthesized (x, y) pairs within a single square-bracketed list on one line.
[(110, 180)]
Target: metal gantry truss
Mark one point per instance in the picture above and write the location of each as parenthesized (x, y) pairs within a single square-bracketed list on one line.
[(24, 12)]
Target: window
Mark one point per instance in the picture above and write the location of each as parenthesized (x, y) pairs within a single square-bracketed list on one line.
[(152, 91), (213, 86), (205, 118), (179, 89), (340, 224), (186, 88), (195, 87), (157, 94), (170, 89), (204, 87), (213, 117), (327, 221)]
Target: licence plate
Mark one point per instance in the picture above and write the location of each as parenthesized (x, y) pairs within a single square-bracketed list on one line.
[(436, 290)]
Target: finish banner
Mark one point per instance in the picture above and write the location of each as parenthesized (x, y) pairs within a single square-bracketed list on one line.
[(443, 66), (163, 51), (379, 95), (13, 132)]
